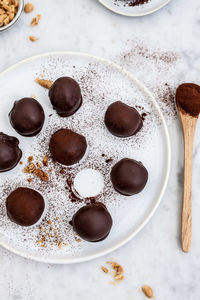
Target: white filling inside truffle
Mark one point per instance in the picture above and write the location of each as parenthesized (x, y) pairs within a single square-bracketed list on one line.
[(88, 183)]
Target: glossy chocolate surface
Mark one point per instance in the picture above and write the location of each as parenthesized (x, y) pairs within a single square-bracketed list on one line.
[(27, 117), (67, 147), (65, 96), (10, 153), (129, 177), (25, 206), (92, 222), (122, 120)]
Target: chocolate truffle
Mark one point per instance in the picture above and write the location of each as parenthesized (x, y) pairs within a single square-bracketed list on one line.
[(65, 96), (92, 222), (27, 116), (24, 206), (122, 120), (10, 153), (129, 177), (67, 147)]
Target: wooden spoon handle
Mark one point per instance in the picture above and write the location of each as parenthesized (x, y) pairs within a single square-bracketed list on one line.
[(189, 125)]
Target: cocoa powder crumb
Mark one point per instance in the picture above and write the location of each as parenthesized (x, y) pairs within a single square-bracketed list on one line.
[(29, 180), (44, 83), (109, 160), (130, 3), (21, 163), (138, 2)]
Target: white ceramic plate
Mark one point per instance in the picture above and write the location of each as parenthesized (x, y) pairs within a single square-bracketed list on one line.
[(134, 11), (102, 82)]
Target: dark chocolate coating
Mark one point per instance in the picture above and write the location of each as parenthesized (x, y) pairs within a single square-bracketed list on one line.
[(65, 96), (129, 177), (92, 222), (122, 120), (24, 206), (27, 116), (67, 147), (10, 153)]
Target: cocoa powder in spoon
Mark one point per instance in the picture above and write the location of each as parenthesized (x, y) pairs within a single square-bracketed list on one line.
[(188, 99)]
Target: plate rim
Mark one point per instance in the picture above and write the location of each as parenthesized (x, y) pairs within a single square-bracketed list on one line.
[(50, 260), (126, 14)]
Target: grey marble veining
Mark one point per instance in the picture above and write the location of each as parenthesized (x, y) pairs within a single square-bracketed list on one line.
[(154, 256)]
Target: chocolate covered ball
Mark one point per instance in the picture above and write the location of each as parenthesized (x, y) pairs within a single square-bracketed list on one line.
[(10, 153), (67, 147), (24, 206), (122, 120), (92, 222), (129, 177), (65, 96), (27, 117)]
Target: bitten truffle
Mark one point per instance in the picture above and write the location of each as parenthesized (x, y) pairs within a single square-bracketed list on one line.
[(27, 117), (65, 96), (129, 177), (122, 120), (67, 147), (92, 222), (25, 206), (10, 153)]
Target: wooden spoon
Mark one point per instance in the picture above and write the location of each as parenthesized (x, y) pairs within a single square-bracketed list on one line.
[(189, 126), (188, 104)]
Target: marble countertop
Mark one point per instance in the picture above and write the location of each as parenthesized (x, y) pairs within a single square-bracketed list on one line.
[(154, 256)]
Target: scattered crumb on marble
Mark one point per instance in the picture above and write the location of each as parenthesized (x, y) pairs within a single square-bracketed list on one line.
[(117, 274), (147, 290), (35, 21), (33, 38), (28, 7), (104, 269)]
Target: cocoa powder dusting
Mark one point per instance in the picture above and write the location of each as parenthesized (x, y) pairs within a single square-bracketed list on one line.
[(73, 195), (188, 98), (131, 3), (137, 2), (161, 64)]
